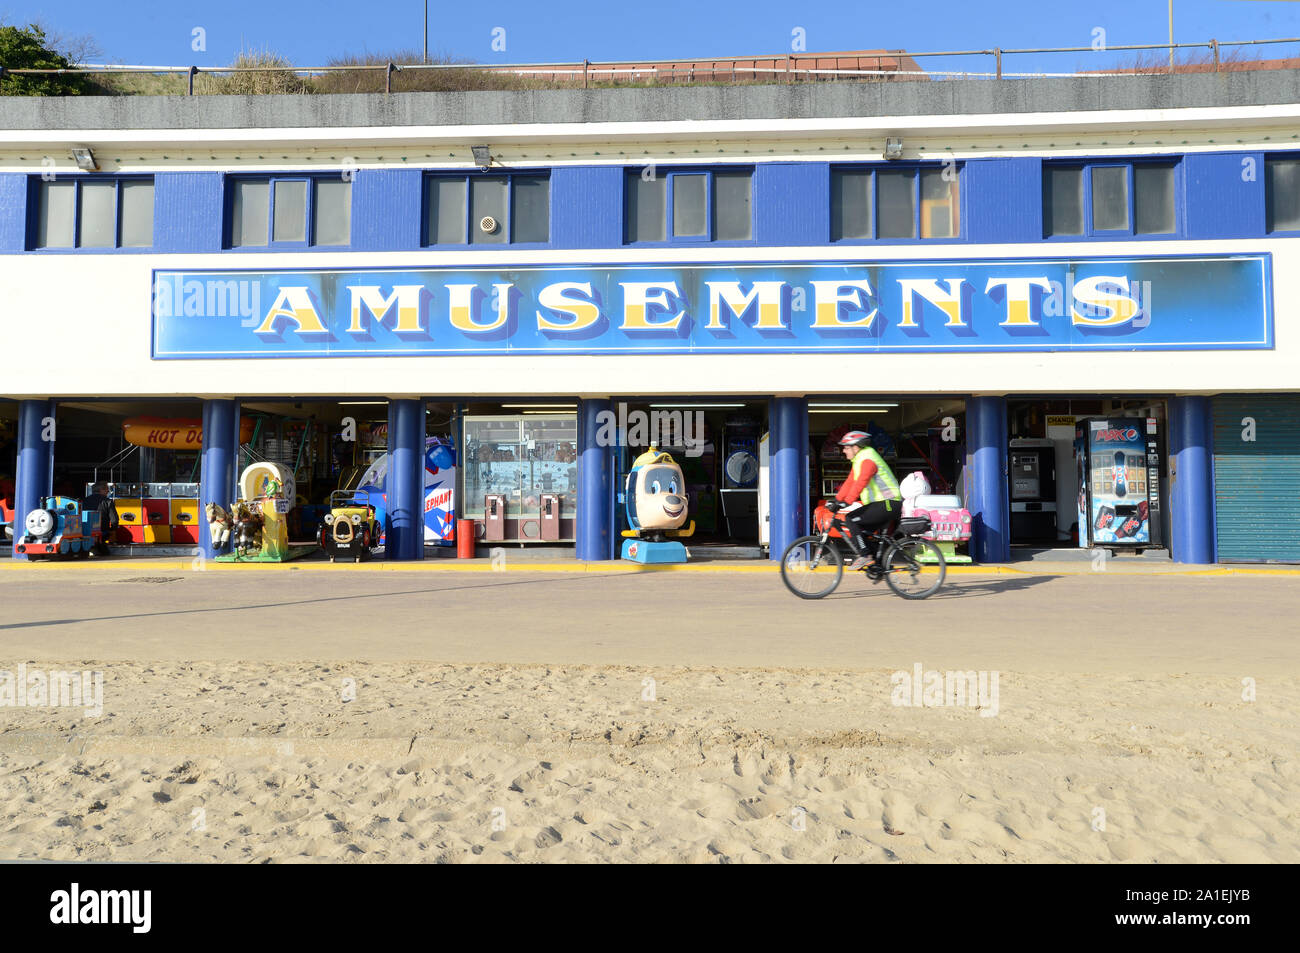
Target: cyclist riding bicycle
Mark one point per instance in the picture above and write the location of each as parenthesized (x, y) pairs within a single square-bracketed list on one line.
[(869, 498)]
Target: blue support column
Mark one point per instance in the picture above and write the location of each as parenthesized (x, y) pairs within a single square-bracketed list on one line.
[(986, 479), (220, 460), (595, 524), (404, 519), (1191, 480), (35, 465), (787, 483)]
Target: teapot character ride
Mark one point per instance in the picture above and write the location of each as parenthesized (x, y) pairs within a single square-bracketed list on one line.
[(656, 501), (259, 532)]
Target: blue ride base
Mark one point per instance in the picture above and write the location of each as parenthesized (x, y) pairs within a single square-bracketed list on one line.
[(641, 551)]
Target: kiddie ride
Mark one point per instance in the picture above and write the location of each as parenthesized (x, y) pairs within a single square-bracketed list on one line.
[(60, 528), (256, 521), (656, 504), (351, 529)]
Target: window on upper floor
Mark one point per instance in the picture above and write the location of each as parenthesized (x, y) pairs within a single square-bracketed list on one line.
[(696, 205), (487, 209), (873, 204), (283, 211), (1282, 191), (1110, 199), (93, 212)]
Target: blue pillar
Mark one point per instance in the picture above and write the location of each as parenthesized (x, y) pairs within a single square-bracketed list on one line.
[(787, 482), (35, 466), (1191, 480), (404, 519), (595, 524), (217, 467), (986, 479)]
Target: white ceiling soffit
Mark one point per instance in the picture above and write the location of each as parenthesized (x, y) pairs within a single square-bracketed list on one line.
[(1118, 121)]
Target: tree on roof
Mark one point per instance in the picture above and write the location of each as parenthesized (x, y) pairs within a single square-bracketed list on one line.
[(28, 48)]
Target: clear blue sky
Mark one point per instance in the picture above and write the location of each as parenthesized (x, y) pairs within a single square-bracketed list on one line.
[(309, 32)]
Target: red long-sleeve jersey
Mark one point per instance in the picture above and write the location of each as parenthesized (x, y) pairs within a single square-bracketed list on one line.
[(851, 489)]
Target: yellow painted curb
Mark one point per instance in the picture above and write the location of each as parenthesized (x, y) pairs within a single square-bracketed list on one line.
[(186, 564)]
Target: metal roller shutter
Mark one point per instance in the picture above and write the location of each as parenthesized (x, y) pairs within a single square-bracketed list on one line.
[(1257, 484)]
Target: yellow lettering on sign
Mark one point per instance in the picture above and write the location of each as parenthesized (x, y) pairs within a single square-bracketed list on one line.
[(461, 307), (951, 302), (559, 297), (1018, 299), (294, 304), (405, 299), (641, 296), (1116, 307), (766, 293), (829, 295)]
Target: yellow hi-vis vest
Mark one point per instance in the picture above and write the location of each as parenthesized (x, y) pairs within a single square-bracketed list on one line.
[(882, 486)]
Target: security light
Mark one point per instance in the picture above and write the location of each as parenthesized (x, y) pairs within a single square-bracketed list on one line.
[(893, 148), (482, 158), (85, 159)]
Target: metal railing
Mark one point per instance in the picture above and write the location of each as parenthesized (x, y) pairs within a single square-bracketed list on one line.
[(786, 67)]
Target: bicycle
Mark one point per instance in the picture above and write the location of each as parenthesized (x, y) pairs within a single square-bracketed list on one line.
[(812, 566)]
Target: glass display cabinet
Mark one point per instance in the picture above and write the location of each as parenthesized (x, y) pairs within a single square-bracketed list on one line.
[(522, 458)]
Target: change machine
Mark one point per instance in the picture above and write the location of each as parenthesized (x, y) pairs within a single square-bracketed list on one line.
[(1119, 482), (1032, 477)]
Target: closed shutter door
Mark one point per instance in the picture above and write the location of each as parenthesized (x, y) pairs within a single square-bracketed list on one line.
[(1257, 483)]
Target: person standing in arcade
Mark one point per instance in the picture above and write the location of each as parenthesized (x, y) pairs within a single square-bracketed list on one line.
[(99, 502)]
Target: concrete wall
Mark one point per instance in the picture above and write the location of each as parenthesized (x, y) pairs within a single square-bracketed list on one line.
[(795, 101)]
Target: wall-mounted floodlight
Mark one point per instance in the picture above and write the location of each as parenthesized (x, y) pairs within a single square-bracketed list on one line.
[(893, 148), (85, 158), (482, 157)]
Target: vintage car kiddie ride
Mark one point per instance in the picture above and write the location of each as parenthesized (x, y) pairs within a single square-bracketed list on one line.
[(351, 529), (59, 528)]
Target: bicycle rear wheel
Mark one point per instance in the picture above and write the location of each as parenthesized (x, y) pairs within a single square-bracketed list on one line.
[(811, 568), (915, 568)]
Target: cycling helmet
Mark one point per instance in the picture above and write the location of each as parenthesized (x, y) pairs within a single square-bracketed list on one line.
[(855, 438)]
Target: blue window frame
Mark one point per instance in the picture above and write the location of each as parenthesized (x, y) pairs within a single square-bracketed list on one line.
[(487, 208), (897, 203), (1282, 193), (288, 212), (688, 206), (1110, 199), (91, 212)]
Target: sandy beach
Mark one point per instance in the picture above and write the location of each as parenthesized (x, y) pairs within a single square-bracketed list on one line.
[(254, 762)]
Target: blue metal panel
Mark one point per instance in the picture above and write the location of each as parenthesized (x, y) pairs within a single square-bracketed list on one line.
[(387, 209), (788, 480), (587, 207), (34, 473), (1257, 477), (594, 533), (404, 515), (188, 212), (792, 203), (1191, 485), (13, 212), (1003, 200), (986, 478), (218, 463), (1225, 194)]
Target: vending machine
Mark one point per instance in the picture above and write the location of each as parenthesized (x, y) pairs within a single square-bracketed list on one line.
[(1119, 482)]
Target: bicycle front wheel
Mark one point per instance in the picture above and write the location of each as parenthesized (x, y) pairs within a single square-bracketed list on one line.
[(811, 568), (915, 568)]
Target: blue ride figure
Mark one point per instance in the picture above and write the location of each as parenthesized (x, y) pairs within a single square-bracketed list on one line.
[(655, 497)]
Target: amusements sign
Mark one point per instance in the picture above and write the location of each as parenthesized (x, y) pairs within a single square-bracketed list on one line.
[(1095, 304)]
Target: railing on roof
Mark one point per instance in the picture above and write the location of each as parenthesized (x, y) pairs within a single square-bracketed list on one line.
[(785, 68)]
